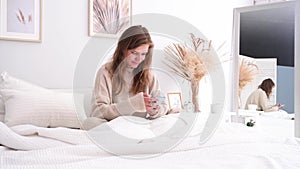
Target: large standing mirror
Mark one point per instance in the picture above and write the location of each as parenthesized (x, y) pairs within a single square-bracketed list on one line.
[(265, 35)]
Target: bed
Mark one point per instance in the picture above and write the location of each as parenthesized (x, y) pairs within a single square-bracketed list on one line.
[(52, 139)]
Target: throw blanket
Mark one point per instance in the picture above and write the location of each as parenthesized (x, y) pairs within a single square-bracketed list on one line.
[(30, 137), (139, 132), (234, 145)]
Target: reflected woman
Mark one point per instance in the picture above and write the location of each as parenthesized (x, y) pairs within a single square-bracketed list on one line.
[(260, 97)]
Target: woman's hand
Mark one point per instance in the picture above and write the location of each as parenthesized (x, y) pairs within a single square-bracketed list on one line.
[(280, 105), (151, 104)]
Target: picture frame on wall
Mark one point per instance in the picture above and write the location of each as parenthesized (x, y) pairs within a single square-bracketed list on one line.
[(109, 18), (175, 100), (21, 20)]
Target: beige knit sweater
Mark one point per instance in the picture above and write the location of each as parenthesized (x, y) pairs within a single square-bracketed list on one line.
[(107, 106), (259, 97)]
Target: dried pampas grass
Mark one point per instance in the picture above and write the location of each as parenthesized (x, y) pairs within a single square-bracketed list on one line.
[(185, 62), (190, 64), (247, 72)]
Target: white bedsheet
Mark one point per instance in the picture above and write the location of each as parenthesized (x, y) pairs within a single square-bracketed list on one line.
[(234, 145)]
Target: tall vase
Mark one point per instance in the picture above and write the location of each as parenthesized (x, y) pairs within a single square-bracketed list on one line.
[(188, 104), (195, 93)]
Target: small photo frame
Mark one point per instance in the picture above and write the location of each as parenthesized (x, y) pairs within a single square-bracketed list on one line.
[(21, 20), (109, 18), (175, 101)]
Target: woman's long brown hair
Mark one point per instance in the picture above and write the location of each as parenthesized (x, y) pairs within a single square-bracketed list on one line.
[(132, 38), (267, 86)]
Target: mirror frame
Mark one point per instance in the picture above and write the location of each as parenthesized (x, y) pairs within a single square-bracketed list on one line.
[(236, 43), (235, 55)]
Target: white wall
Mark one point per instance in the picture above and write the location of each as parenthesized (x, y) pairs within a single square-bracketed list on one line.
[(65, 33), (51, 62), (212, 17)]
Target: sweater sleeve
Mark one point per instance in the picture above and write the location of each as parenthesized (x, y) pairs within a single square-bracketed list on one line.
[(102, 106), (155, 91), (264, 103)]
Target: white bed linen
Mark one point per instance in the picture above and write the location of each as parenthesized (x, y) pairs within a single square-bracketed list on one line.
[(234, 145)]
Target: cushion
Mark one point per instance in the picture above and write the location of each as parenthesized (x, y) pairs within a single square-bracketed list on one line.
[(2, 111), (44, 109), (1, 106), (9, 82), (2, 117)]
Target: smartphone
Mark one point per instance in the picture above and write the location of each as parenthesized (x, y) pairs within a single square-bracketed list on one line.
[(161, 99), (280, 106)]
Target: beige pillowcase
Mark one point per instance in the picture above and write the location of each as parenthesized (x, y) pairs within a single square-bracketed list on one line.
[(9, 82), (2, 111), (2, 117), (52, 109)]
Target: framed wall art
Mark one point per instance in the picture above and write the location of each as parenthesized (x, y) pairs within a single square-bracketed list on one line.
[(109, 18), (21, 20), (175, 100)]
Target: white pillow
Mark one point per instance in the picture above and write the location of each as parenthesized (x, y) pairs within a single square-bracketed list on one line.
[(1, 106), (2, 117), (9, 82), (52, 109)]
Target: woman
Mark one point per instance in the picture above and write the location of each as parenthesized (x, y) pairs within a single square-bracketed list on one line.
[(123, 86), (261, 96)]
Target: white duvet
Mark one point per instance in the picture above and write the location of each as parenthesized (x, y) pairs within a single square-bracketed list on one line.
[(234, 145)]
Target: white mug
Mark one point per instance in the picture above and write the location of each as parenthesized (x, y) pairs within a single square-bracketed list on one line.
[(252, 106)]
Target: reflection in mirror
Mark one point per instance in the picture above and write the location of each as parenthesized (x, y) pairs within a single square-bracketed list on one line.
[(264, 36), (264, 32), (252, 71)]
